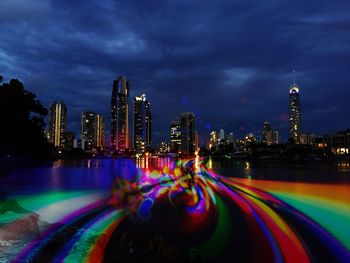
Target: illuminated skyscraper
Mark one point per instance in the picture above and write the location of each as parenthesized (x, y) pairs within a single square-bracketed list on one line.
[(114, 115), (294, 114), (120, 114), (88, 128), (92, 130), (99, 131), (275, 137), (57, 123), (148, 121), (221, 137), (175, 136), (267, 133), (213, 139), (230, 138), (142, 124), (188, 128)]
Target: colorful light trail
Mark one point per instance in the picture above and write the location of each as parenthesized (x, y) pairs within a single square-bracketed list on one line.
[(202, 212)]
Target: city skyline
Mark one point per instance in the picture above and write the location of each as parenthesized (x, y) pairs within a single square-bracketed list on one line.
[(174, 131), (224, 62), (120, 123)]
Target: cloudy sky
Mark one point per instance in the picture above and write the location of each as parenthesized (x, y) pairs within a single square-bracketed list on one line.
[(228, 61)]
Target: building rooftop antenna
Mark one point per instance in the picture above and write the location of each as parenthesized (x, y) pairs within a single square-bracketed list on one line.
[(294, 84)]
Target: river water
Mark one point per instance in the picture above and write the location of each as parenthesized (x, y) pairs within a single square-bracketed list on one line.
[(320, 191), (99, 174)]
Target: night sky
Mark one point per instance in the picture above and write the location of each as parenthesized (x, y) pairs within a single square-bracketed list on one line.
[(230, 62)]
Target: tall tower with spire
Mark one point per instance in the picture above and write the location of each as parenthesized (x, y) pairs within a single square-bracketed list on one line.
[(294, 111)]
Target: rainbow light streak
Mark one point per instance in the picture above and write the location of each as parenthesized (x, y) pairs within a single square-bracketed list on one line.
[(77, 238), (103, 229), (289, 244), (257, 226), (29, 252), (277, 215), (221, 235), (328, 205), (341, 254)]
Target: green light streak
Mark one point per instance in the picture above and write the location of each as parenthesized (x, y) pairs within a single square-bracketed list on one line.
[(36, 202), (83, 247), (221, 234), (333, 216)]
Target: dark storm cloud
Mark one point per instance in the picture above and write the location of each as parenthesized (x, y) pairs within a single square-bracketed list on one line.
[(228, 61)]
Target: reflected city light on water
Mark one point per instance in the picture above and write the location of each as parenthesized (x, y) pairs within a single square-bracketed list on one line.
[(280, 221)]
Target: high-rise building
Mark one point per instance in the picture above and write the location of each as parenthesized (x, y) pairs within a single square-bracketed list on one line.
[(57, 123), (188, 128), (99, 131), (175, 136), (148, 121), (230, 138), (307, 138), (163, 148), (221, 137), (250, 139), (120, 114), (142, 124), (213, 139), (267, 133), (88, 128), (92, 130), (114, 115), (275, 137), (294, 113)]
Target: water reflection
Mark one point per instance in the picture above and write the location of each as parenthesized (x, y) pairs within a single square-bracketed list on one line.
[(188, 197), (86, 163), (282, 171), (153, 162), (269, 170)]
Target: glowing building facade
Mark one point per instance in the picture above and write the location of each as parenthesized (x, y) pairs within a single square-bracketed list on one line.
[(88, 127), (120, 114), (92, 130), (175, 136), (213, 138), (99, 131), (188, 131), (142, 124), (275, 137), (267, 136), (57, 123), (294, 113), (221, 137), (148, 123)]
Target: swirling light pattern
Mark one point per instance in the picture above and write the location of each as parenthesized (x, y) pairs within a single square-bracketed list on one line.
[(203, 213)]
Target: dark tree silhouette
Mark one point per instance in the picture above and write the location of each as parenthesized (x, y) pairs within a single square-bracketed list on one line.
[(22, 123)]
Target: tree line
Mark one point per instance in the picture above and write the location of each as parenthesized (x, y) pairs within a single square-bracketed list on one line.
[(22, 123)]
